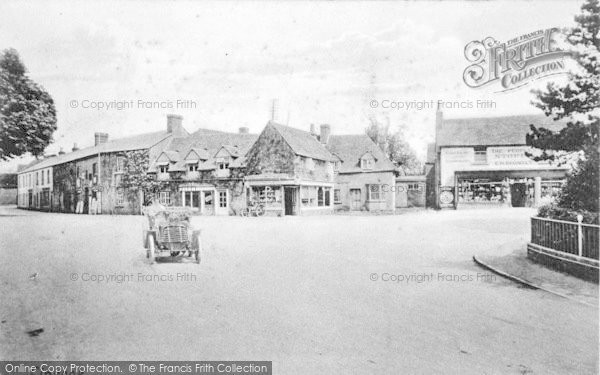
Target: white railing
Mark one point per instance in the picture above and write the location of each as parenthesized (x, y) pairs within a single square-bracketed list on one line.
[(566, 236)]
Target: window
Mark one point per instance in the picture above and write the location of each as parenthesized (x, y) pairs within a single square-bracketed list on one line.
[(193, 167), (327, 197), (120, 197), (480, 155), (309, 163), (223, 165), (336, 196), (366, 163), (120, 163), (223, 199), (336, 166), (95, 169), (163, 169), (48, 177), (164, 198), (376, 193), (413, 187), (37, 178)]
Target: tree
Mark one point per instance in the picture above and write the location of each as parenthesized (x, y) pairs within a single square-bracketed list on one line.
[(578, 102), (135, 177), (397, 149), (27, 113)]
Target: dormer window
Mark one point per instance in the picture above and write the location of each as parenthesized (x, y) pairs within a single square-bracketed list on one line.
[(366, 163), (223, 165), (193, 167), (163, 169), (336, 166)]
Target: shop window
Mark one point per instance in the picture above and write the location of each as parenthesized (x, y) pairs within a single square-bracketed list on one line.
[(480, 155), (223, 199), (164, 198), (327, 197), (120, 197), (320, 197), (376, 192)]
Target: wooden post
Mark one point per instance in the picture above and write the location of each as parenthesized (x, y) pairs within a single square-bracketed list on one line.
[(579, 235)]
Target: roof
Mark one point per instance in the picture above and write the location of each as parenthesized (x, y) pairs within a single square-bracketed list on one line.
[(350, 148), (492, 131), (206, 143), (137, 142), (415, 178), (302, 142)]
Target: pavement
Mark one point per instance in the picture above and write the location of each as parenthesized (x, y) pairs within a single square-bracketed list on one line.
[(394, 294)]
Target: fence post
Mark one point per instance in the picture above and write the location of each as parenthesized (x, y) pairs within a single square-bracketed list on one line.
[(579, 235)]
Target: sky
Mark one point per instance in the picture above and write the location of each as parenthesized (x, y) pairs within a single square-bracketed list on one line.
[(221, 65)]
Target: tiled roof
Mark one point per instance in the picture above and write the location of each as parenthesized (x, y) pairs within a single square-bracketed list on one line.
[(491, 131), (137, 142), (302, 142), (207, 143), (350, 148)]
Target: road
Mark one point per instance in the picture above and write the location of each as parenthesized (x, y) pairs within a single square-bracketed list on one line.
[(315, 295)]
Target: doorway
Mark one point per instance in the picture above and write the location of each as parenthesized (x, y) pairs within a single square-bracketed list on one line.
[(355, 201), (290, 200)]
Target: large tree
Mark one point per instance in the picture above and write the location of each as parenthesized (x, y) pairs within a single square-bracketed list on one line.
[(397, 149), (577, 102), (27, 113)]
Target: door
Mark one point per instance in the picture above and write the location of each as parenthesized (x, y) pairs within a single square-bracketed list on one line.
[(222, 203), (289, 200), (208, 203), (355, 201)]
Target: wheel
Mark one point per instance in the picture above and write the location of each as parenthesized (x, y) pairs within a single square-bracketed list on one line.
[(244, 212), (260, 210), (151, 249)]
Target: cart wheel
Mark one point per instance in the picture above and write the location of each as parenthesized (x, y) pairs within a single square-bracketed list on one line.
[(244, 212), (260, 210), (151, 249)]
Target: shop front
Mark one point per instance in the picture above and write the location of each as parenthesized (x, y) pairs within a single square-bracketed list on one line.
[(205, 199), (526, 188)]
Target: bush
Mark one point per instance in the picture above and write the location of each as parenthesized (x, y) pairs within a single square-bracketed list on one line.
[(553, 211)]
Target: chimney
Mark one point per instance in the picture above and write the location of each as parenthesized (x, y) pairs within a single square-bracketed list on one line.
[(100, 138), (325, 133), (174, 125), (244, 130), (313, 130), (439, 119), (75, 148), (61, 152)]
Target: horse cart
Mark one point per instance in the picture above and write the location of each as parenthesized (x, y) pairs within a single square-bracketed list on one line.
[(169, 234)]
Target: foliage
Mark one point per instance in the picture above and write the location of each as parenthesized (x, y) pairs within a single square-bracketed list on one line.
[(578, 102), (397, 149), (27, 113), (136, 178), (560, 213)]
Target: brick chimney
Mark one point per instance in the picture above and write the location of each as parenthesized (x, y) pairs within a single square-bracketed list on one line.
[(174, 125), (244, 130), (313, 130), (75, 148), (100, 138), (61, 152), (325, 133), (381, 142)]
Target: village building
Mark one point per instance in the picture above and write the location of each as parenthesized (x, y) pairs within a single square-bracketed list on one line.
[(365, 178), (88, 180), (484, 161), (204, 171)]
